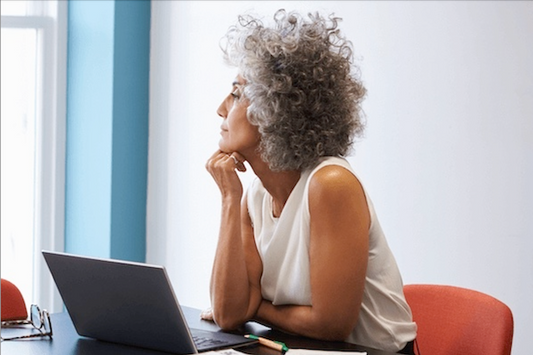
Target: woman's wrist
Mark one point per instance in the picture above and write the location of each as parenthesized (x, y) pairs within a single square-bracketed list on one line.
[(230, 200)]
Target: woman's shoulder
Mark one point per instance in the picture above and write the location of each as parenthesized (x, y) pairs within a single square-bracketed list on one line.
[(331, 170), (333, 174), (333, 177), (331, 161), (335, 187)]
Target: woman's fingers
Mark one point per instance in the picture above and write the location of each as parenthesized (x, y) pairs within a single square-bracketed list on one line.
[(222, 168), (239, 160), (207, 314), (220, 157)]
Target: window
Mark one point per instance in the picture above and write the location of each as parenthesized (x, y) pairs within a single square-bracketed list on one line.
[(32, 142), (18, 154)]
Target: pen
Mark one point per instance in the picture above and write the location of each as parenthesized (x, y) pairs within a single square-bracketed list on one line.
[(276, 345)]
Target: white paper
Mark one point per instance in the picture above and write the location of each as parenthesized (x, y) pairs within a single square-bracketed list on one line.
[(290, 352), (224, 352), (321, 352)]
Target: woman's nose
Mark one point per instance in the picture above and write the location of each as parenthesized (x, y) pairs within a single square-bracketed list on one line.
[(222, 111)]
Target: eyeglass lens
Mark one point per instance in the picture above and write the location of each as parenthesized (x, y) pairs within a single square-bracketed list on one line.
[(36, 316), (47, 323)]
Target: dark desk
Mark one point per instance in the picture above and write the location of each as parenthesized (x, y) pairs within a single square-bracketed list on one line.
[(67, 342)]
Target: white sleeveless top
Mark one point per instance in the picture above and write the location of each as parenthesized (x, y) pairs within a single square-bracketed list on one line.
[(385, 320)]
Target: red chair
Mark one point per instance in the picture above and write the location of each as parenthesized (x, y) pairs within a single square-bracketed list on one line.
[(13, 305), (453, 320)]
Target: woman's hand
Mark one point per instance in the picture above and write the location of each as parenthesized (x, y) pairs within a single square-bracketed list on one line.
[(222, 168), (207, 314)]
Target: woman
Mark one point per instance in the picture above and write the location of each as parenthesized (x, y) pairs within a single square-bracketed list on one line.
[(302, 250)]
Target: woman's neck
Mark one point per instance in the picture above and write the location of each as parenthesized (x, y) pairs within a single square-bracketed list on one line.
[(279, 184)]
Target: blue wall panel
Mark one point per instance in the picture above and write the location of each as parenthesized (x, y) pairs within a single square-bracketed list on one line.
[(107, 128)]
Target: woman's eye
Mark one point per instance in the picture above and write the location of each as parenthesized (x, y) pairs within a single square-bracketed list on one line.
[(236, 93)]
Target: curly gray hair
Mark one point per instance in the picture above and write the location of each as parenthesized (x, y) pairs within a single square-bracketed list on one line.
[(304, 92)]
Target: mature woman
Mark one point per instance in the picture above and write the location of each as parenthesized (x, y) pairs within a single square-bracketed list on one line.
[(302, 249)]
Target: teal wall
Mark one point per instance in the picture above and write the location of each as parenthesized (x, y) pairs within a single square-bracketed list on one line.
[(107, 128)]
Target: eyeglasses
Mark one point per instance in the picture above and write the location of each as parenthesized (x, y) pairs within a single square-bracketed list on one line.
[(40, 320)]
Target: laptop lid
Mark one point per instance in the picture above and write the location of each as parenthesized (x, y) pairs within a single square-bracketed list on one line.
[(128, 303)]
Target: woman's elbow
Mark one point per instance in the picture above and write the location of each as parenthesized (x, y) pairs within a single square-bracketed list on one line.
[(336, 333), (338, 329), (227, 324), (227, 321)]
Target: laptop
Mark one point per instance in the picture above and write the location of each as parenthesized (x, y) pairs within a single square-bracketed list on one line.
[(129, 303)]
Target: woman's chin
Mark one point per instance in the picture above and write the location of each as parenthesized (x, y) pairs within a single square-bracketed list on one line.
[(224, 148)]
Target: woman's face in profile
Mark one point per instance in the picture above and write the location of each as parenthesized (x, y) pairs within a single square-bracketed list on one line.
[(237, 133)]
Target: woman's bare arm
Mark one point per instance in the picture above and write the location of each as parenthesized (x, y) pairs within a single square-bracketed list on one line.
[(235, 290), (338, 256)]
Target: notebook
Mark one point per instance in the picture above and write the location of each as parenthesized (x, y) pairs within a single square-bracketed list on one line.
[(129, 303)]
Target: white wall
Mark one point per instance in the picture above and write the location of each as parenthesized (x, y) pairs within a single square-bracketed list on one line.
[(447, 156)]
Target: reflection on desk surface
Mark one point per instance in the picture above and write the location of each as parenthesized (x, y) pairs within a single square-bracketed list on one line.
[(67, 342), (86, 346)]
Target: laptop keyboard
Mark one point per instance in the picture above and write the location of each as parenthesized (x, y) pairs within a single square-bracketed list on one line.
[(202, 342)]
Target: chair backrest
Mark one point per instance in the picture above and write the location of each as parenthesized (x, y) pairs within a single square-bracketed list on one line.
[(453, 320), (13, 305)]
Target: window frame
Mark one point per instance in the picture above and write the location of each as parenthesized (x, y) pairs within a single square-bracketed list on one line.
[(50, 19)]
